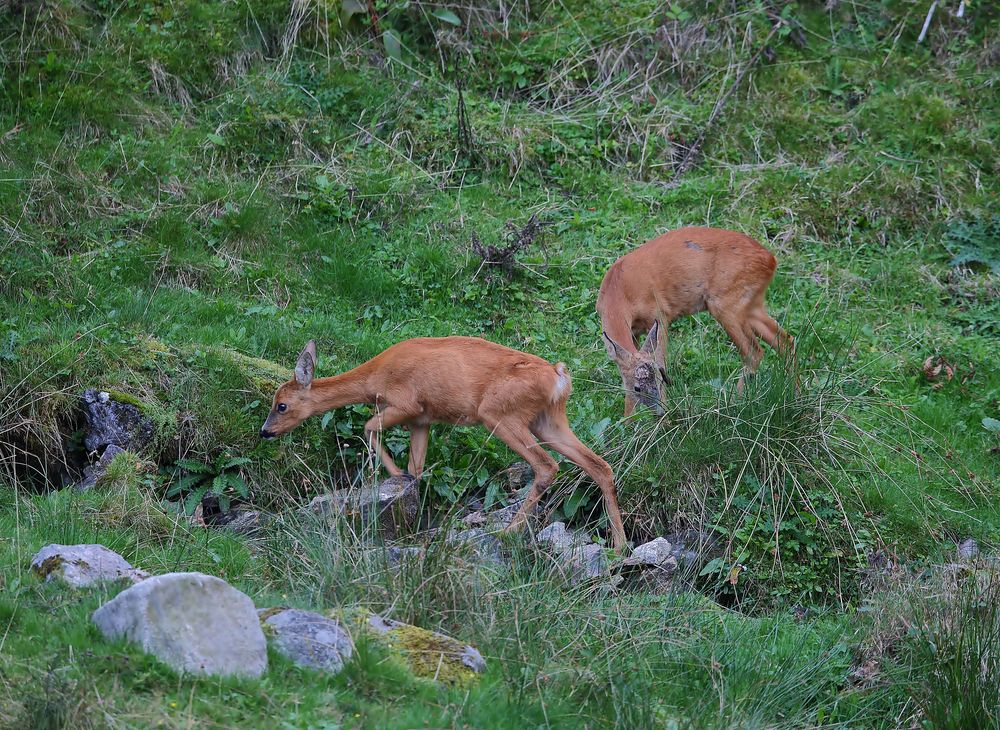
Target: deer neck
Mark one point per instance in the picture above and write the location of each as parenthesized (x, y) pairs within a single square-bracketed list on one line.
[(341, 390)]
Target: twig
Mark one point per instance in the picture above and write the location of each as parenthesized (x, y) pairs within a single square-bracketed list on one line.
[(694, 149), (927, 22)]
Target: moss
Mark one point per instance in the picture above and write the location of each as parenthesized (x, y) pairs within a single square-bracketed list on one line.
[(48, 566), (264, 374), (269, 612), (121, 397), (427, 654)]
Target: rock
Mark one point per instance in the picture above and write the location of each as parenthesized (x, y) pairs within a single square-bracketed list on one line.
[(501, 518), (193, 622), (94, 472), (483, 545), (428, 654), (581, 558), (968, 549), (83, 565), (110, 422), (395, 501), (519, 476), (693, 549), (308, 639), (654, 562), (249, 522), (559, 538), (656, 553), (396, 554)]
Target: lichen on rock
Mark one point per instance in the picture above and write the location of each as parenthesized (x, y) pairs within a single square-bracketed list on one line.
[(428, 655)]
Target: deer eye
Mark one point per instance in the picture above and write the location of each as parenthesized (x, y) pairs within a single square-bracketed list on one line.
[(282, 407)]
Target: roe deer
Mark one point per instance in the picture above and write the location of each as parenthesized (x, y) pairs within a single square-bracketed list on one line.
[(519, 398), (680, 273)]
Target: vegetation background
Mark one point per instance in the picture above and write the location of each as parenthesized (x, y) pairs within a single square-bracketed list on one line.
[(192, 189)]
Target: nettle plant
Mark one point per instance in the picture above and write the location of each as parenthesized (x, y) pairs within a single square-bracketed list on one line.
[(220, 478)]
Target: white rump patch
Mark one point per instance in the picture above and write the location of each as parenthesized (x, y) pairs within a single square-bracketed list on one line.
[(563, 384)]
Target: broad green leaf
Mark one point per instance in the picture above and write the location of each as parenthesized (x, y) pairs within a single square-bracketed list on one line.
[(350, 8), (573, 502), (991, 424), (447, 16), (713, 567), (217, 139), (393, 47), (325, 420)]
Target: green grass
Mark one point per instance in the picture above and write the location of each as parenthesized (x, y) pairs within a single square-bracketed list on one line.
[(191, 190)]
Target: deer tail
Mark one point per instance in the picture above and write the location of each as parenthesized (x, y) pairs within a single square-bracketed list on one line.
[(564, 385)]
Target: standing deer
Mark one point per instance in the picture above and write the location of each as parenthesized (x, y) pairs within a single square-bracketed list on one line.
[(680, 273), (459, 380)]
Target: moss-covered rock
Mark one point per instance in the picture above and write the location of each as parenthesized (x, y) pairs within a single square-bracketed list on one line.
[(427, 654)]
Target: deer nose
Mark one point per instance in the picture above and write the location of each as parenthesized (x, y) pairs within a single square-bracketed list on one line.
[(265, 434)]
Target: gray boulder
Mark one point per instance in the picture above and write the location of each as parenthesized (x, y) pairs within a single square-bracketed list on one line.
[(694, 549), (110, 422), (308, 639), (193, 622), (580, 558), (83, 565), (94, 472), (394, 503)]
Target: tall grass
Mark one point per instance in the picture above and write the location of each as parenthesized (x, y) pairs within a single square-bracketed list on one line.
[(955, 642)]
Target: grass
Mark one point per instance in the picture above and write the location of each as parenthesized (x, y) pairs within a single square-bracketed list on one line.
[(192, 190)]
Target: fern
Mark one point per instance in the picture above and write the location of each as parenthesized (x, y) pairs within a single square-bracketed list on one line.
[(975, 242), (219, 478)]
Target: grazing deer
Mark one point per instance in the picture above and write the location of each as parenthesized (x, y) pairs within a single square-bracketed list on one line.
[(680, 273), (459, 380)]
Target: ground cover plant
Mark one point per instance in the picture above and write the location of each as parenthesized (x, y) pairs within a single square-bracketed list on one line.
[(191, 190)]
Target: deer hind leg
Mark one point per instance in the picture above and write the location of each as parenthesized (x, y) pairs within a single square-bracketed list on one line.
[(554, 431), (738, 327), (386, 418), (521, 441), (768, 329)]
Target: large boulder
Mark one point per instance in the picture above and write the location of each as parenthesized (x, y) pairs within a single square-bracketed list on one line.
[(112, 422), (83, 565), (579, 558), (393, 505), (308, 639), (428, 654), (193, 622)]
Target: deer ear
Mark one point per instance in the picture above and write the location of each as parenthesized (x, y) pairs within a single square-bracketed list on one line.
[(615, 351), (306, 365), (652, 339)]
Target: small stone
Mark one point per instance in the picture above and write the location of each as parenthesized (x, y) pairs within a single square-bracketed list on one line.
[(656, 553), (485, 546), (249, 522), (519, 475), (93, 473), (83, 565), (968, 549), (308, 639), (395, 501), (558, 537), (581, 558), (193, 622)]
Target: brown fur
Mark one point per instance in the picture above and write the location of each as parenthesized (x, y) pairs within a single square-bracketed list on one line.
[(681, 273), (519, 397)]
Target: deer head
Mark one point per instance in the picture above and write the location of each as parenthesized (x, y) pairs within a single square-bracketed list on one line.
[(292, 403), (643, 378)]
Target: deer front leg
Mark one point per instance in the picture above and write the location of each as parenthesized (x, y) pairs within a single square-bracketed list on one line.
[(382, 420), (419, 436)]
